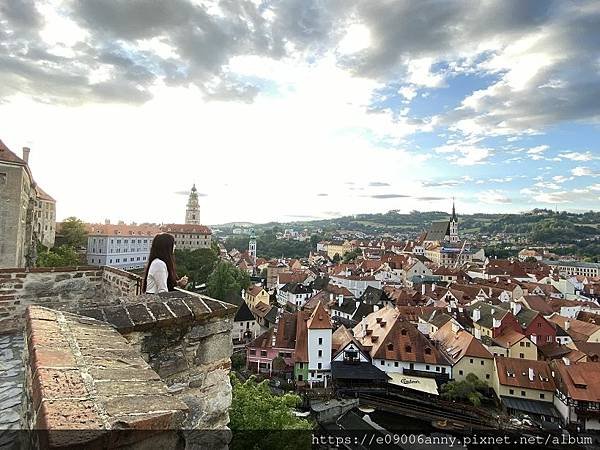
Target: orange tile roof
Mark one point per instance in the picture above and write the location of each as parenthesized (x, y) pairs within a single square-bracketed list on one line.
[(577, 329), (319, 320), (185, 228), (509, 338), (579, 381), (301, 354)]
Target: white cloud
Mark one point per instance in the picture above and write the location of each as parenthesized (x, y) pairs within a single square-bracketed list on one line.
[(493, 197), (577, 156), (583, 171)]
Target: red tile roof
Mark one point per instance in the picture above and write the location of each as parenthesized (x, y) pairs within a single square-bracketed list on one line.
[(185, 228), (579, 381), (6, 155), (319, 320), (516, 372)]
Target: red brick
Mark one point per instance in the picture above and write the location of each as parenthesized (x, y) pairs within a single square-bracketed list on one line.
[(51, 357), (40, 314), (53, 384)]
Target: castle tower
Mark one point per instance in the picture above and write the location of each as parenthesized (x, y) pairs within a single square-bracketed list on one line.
[(252, 246), (192, 213), (453, 225)]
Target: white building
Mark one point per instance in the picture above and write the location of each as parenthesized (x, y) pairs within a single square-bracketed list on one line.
[(121, 246), (319, 345)]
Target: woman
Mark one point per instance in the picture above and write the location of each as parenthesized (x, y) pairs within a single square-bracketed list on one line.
[(160, 275)]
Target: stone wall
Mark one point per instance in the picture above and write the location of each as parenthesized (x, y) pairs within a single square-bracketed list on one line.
[(186, 339), (62, 288), (86, 387)]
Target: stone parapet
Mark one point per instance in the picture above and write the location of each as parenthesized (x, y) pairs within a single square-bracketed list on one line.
[(84, 377)]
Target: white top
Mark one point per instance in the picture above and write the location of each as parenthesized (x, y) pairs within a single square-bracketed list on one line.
[(157, 277)]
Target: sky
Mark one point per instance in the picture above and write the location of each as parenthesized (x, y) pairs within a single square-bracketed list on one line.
[(303, 109)]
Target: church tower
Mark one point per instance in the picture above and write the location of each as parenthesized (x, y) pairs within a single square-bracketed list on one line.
[(252, 247), (453, 225), (192, 213)]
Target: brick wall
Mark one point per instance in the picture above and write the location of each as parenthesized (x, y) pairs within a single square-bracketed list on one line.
[(83, 376), (64, 288)]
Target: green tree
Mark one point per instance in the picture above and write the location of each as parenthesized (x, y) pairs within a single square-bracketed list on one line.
[(225, 280), (73, 232), (259, 419), (196, 264), (336, 258), (468, 389), (63, 256), (352, 255)]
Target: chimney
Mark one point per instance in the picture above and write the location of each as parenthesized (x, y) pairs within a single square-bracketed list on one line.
[(340, 300), (567, 324), (433, 287), (476, 314), (531, 376), (26, 151), (423, 289)]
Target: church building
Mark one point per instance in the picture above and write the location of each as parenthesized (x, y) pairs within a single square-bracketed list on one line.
[(442, 231)]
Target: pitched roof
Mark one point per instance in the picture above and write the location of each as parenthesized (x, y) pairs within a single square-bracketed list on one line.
[(301, 354), (581, 381), (538, 303), (438, 230), (509, 338), (488, 313), (255, 290), (286, 331), (577, 329), (122, 230), (340, 338), (319, 320), (243, 313), (458, 344), (6, 155), (387, 336), (185, 228), (42, 195), (516, 372), (291, 277)]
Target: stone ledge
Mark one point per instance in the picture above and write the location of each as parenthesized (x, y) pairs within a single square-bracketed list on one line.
[(84, 376), (148, 311)]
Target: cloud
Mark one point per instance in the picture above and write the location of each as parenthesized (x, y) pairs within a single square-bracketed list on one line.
[(448, 183), (430, 199), (583, 171), (493, 197), (378, 184), (387, 196), (322, 195), (577, 156)]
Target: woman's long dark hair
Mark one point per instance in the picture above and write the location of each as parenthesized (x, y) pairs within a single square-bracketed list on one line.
[(162, 248)]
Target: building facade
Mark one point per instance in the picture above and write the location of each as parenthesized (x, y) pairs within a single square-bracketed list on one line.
[(121, 246), (189, 236), (19, 197), (192, 212)]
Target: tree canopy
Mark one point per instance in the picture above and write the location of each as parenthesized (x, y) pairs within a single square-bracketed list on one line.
[(259, 419), (226, 280), (467, 389), (63, 256), (196, 264), (74, 232)]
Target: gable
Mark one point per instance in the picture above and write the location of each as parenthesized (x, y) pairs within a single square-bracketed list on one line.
[(353, 347)]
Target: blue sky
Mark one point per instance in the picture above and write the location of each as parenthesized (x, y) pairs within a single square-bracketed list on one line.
[(323, 108)]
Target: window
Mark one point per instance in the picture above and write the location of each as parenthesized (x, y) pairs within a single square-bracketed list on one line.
[(320, 353), (382, 362), (541, 395), (487, 376), (522, 344), (403, 332), (527, 344), (471, 361), (481, 362), (427, 351), (522, 393), (395, 363), (539, 324), (301, 366), (263, 353), (511, 391), (299, 377), (320, 341), (460, 372), (427, 367), (390, 347), (522, 355), (319, 366), (408, 349), (412, 366), (253, 351)]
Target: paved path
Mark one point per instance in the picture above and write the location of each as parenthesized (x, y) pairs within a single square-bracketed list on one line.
[(11, 389)]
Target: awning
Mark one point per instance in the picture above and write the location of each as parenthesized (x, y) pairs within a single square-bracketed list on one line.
[(530, 406), (417, 383)]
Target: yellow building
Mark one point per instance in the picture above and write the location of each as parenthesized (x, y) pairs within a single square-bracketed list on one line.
[(256, 294), (524, 380), (466, 353), (512, 344)]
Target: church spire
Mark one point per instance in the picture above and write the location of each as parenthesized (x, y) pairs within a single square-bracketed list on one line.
[(192, 213), (454, 218)]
